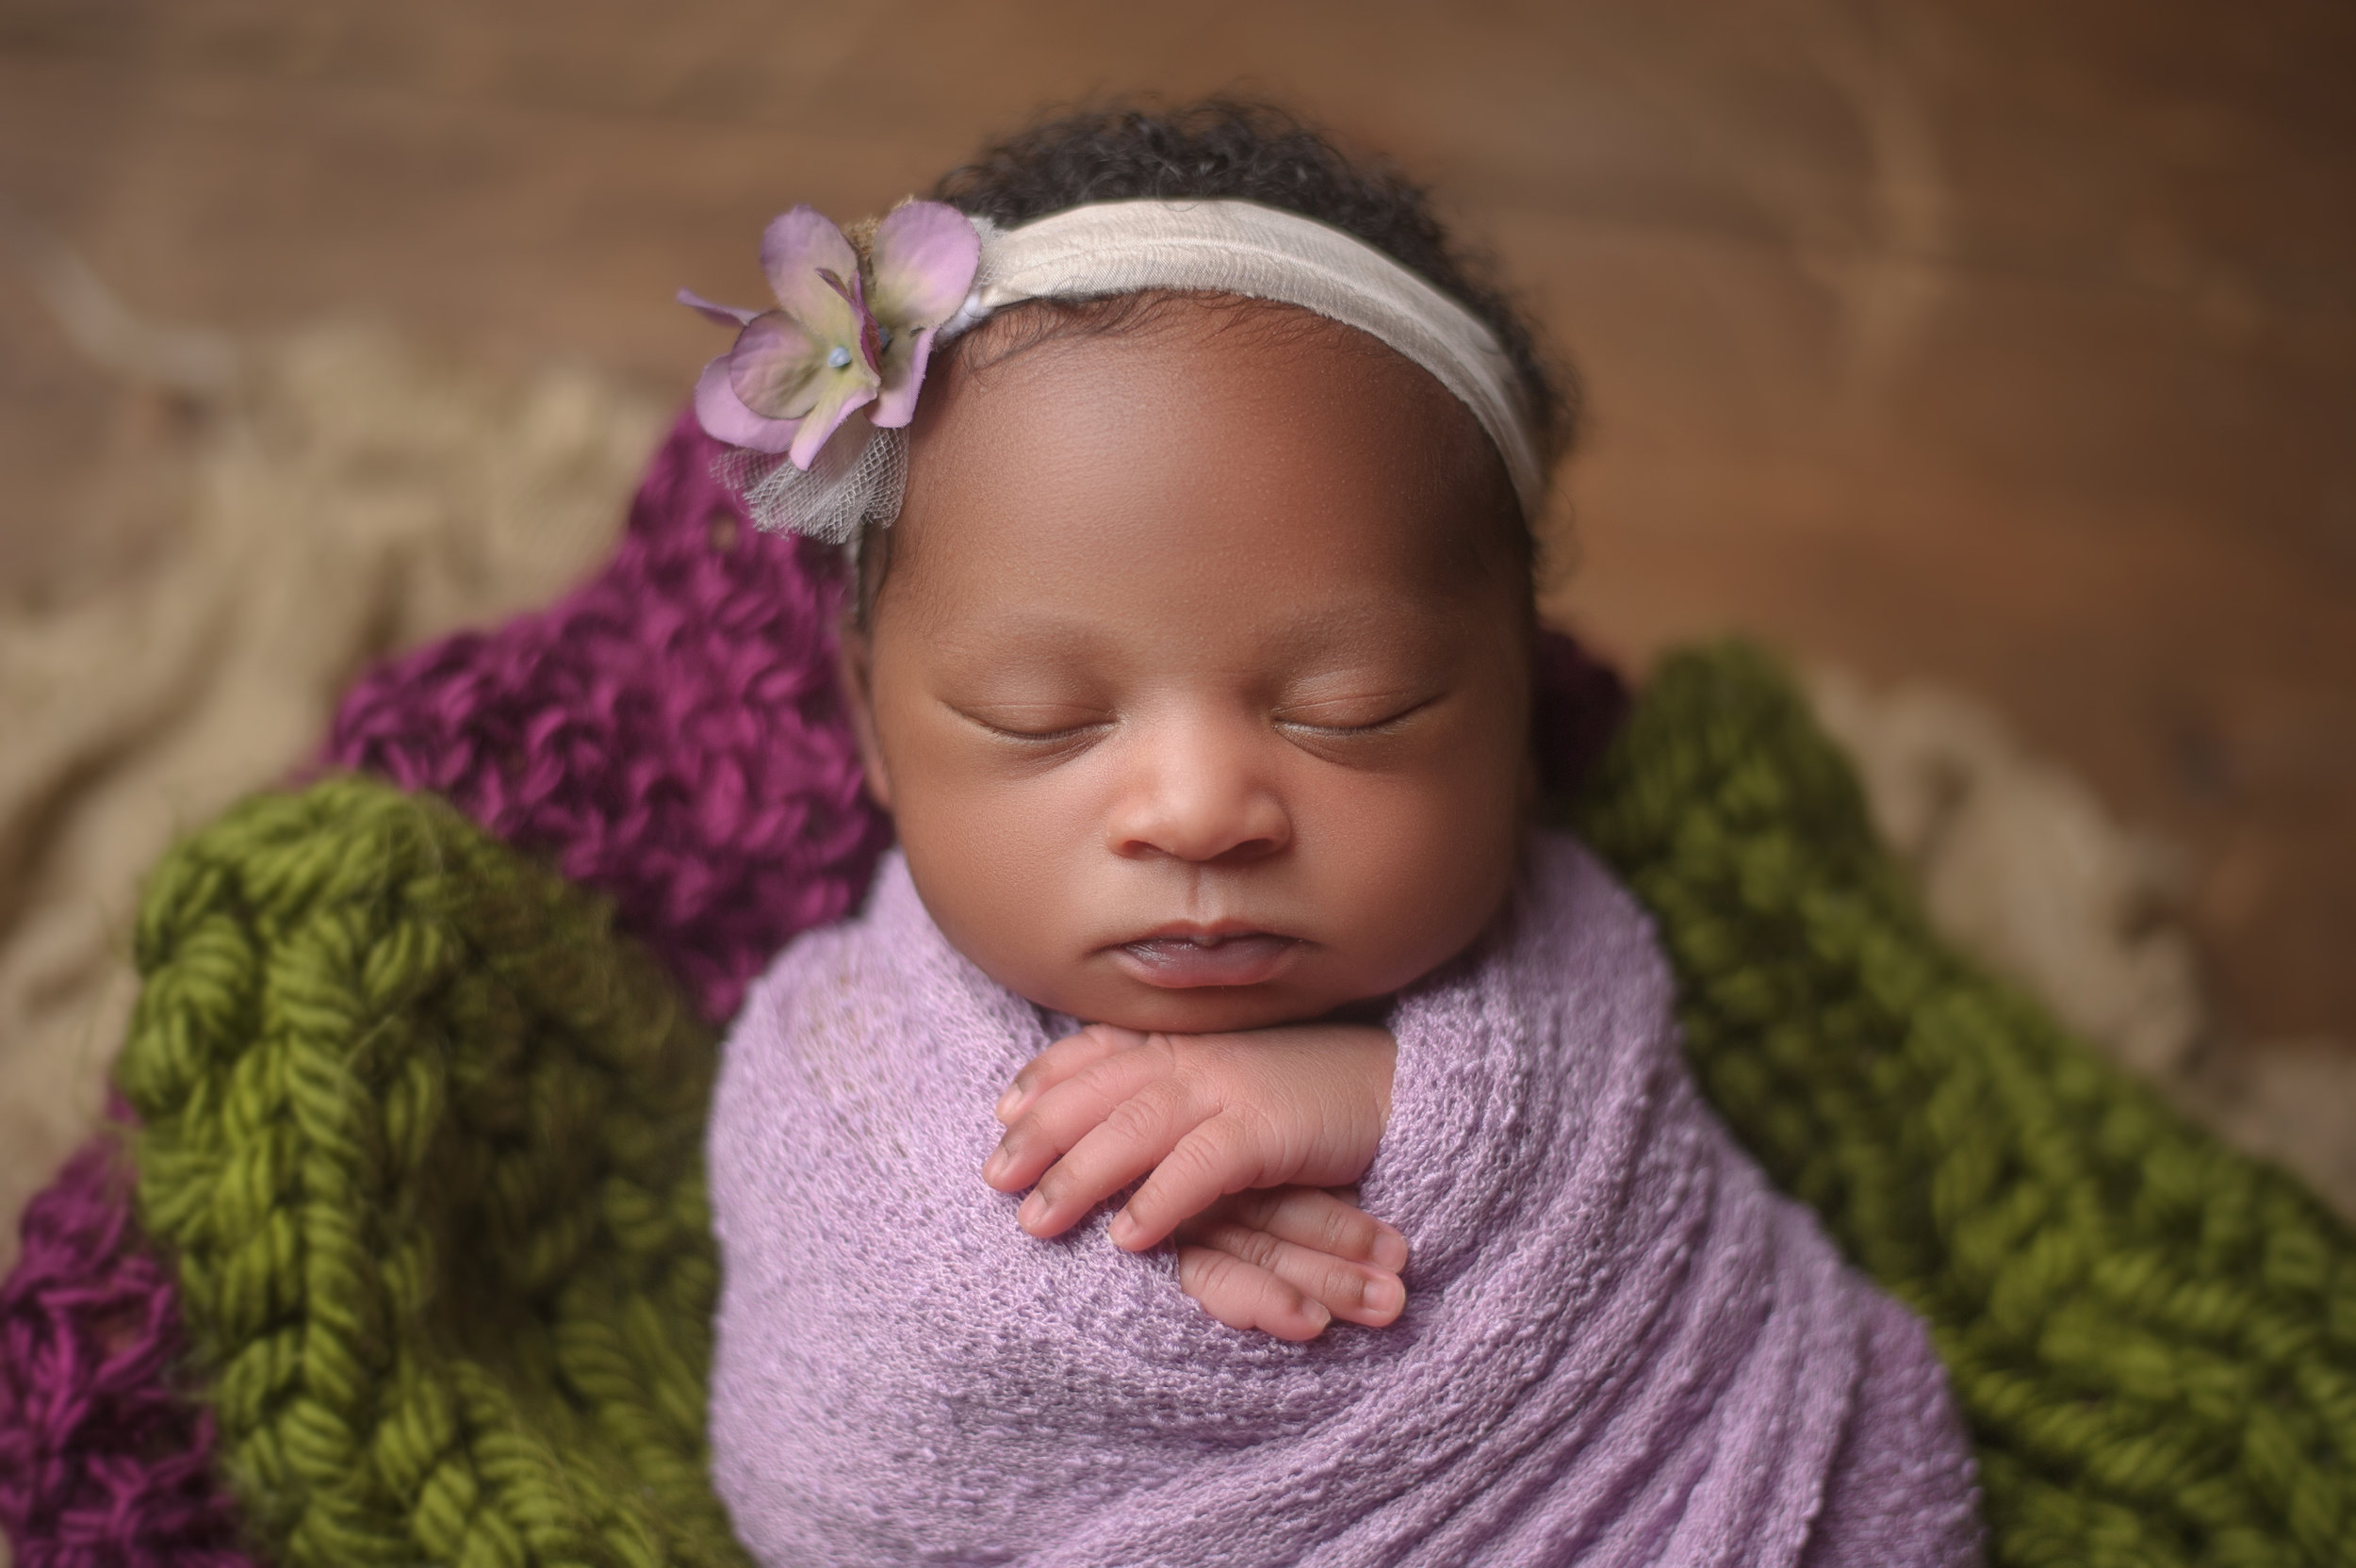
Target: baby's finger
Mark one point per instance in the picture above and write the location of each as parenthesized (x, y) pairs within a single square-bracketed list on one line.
[(1244, 1296), (1320, 1221), (1072, 1053), (1220, 1156), (1124, 1145), (1057, 1119), (1354, 1292)]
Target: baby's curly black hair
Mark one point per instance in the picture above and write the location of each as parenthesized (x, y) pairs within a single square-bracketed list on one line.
[(1243, 150)]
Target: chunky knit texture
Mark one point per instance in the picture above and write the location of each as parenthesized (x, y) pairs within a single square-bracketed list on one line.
[(1620, 1346), (671, 734), (2153, 1336), (102, 1458), (424, 1137)]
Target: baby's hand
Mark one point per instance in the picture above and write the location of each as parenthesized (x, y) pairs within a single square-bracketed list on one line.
[(1300, 1108)]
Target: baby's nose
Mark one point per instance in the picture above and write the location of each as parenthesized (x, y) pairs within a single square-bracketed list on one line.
[(1196, 796)]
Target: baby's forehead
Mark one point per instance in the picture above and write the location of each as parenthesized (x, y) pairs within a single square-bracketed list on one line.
[(1245, 351), (1186, 439)]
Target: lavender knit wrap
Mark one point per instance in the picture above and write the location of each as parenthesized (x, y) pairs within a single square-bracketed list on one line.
[(1620, 1346)]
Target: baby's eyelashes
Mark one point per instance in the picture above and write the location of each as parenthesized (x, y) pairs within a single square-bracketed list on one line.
[(1354, 715), (1036, 723)]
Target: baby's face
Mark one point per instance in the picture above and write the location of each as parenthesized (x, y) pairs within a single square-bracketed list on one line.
[(1197, 688)]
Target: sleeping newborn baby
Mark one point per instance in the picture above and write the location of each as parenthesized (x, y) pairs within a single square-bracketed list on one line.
[(1230, 1133)]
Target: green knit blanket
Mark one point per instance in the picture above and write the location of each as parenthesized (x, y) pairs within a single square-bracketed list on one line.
[(423, 1133), (426, 1139)]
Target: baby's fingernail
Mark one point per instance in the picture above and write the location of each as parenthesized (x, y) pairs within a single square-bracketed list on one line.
[(995, 1165), (1385, 1296), (1390, 1250), (1123, 1230), (1317, 1314), (1003, 1110), (1032, 1214)]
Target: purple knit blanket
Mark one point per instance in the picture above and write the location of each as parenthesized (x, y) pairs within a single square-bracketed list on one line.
[(1620, 1346)]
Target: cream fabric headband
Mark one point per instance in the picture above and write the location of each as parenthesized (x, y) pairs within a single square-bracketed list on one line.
[(926, 274), (1261, 253)]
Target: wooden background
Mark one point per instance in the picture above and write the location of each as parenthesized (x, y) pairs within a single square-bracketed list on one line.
[(2002, 344)]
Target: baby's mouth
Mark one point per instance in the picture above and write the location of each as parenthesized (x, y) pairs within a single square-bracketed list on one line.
[(1175, 959)]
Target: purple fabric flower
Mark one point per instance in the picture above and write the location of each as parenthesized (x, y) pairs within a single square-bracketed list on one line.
[(852, 331)]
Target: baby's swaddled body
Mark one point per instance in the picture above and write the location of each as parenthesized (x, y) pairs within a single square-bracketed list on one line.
[(1619, 1346)]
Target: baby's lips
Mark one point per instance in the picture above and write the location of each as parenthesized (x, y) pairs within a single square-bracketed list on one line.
[(1178, 962)]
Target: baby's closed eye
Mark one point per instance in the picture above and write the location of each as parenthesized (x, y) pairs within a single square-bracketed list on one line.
[(1041, 721), (1355, 712)]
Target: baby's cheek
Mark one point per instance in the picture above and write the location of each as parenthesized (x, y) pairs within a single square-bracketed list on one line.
[(1421, 874), (993, 867)]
